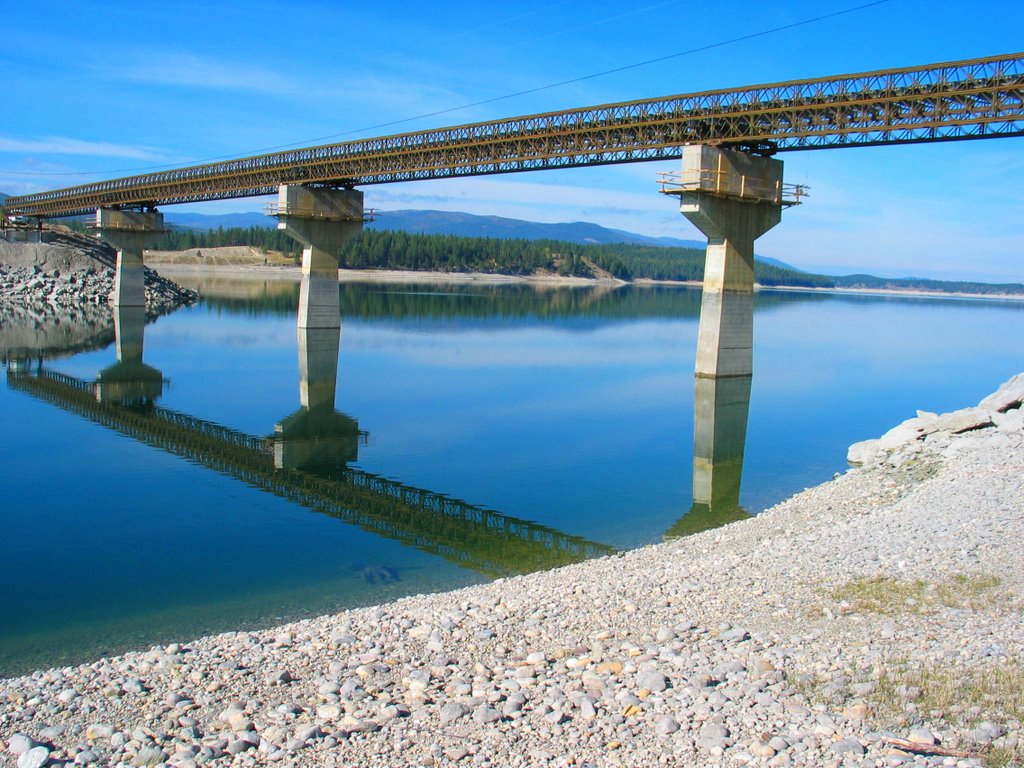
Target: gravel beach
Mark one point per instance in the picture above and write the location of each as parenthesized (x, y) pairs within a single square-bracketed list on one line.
[(874, 620)]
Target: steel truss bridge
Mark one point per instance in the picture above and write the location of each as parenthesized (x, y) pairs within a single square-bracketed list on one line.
[(973, 99), (470, 536)]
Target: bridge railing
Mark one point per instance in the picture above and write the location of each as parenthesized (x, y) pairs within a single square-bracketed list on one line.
[(732, 185), (305, 212)]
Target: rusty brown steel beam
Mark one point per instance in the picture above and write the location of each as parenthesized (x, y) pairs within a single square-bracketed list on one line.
[(973, 99)]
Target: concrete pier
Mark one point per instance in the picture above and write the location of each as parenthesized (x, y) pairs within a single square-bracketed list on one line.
[(733, 198), (128, 232), (322, 219)]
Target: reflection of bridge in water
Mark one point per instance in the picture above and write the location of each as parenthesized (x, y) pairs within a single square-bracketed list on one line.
[(467, 535), (305, 461)]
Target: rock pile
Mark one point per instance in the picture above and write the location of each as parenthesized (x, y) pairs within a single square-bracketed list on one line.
[(44, 279), (54, 297), (929, 433), (810, 635)]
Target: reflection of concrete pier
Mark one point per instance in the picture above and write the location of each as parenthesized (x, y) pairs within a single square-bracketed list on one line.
[(720, 408), (129, 381), (317, 435)]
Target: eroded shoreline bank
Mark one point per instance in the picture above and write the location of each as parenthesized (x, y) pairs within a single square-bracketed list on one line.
[(808, 635)]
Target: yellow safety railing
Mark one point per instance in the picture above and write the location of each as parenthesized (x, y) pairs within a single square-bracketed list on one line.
[(737, 186)]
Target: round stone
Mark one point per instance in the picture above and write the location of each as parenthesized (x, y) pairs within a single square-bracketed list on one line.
[(34, 758)]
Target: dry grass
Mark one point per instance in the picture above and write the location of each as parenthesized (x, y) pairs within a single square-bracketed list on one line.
[(962, 698), (887, 595), (959, 699)]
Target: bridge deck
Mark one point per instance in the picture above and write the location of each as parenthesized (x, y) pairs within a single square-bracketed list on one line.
[(973, 99)]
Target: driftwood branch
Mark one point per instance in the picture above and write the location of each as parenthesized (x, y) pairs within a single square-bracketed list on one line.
[(925, 749)]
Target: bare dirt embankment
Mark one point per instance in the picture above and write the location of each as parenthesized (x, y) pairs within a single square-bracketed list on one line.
[(221, 256)]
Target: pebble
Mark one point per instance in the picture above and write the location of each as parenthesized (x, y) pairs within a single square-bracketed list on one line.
[(19, 744), (848, 746)]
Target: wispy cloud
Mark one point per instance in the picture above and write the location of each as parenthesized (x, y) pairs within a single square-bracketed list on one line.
[(194, 71), (63, 145)]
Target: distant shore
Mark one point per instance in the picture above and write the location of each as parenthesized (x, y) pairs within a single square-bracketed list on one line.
[(292, 273)]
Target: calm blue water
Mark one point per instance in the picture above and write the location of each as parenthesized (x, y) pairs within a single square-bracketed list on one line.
[(568, 414)]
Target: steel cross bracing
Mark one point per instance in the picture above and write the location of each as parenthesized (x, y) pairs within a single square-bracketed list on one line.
[(975, 99)]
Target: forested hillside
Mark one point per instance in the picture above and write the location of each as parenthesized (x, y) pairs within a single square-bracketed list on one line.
[(448, 253)]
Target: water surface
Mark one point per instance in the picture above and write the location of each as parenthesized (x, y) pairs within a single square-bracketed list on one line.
[(466, 433)]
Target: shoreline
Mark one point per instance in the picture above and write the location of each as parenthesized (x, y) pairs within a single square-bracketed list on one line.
[(796, 637), (293, 274)]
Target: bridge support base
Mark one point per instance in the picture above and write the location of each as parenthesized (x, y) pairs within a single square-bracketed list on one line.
[(322, 219), (733, 198), (129, 232)]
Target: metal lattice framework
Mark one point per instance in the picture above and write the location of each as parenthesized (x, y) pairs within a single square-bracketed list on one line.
[(974, 99)]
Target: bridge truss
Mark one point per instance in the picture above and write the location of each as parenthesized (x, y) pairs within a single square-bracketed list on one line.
[(974, 99)]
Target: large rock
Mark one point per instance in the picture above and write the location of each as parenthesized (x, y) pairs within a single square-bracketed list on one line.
[(925, 424), (1007, 397), (961, 421), (897, 437), (862, 452)]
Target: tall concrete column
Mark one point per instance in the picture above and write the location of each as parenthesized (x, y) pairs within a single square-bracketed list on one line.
[(322, 219), (129, 232), (733, 198)]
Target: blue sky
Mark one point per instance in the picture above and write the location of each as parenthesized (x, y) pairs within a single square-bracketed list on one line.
[(96, 91)]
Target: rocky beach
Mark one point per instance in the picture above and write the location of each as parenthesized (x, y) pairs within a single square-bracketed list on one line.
[(874, 620)]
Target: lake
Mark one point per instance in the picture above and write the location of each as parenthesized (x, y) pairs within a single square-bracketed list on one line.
[(453, 434)]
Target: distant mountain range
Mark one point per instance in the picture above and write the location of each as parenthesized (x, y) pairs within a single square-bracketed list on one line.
[(456, 223)]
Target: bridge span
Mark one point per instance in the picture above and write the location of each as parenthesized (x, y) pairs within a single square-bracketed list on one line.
[(730, 187), (970, 99)]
